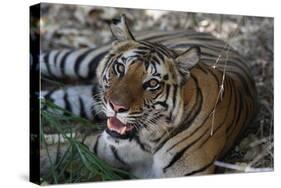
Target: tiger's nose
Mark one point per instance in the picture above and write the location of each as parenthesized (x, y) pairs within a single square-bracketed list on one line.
[(118, 108)]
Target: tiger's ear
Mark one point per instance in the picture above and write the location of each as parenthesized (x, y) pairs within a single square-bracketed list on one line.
[(187, 60), (120, 29)]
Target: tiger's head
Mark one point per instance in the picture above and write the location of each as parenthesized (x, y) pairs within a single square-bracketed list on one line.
[(142, 85)]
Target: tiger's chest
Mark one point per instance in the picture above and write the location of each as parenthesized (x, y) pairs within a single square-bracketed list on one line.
[(128, 154)]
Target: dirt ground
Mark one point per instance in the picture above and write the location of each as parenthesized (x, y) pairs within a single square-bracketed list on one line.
[(68, 26)]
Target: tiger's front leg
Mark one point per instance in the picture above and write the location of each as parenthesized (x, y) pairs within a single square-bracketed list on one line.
[(189, 157), (125, 154), (168, 164)]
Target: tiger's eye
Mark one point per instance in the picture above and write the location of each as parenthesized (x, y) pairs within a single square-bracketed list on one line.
[(153, 83), (120, 68)]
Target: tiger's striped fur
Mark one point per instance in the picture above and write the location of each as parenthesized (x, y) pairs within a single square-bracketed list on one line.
[(205, 96), (76, 99)]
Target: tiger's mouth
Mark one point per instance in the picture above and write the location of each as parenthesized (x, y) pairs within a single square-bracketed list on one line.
[(117, 129)]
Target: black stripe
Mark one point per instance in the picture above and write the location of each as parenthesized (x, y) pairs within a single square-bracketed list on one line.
[(139, 54), (143, 48), (200, 67), (79, 60), (237, 111), (174, 101), (156, 96), (46, 57), (48, 97), (95, 149), (136, 113), (95, 91), (197, 105), (82, 108), (49, 94), (110, 58), (161, 103), (201, 169), (167, 92), (142, 146), (94, 63), (63, 62), (67, 103), (147, 44), (153, 65), (155, 140), (155, 59), (175, 95), (161, 51), (205, 39), (235, 104), (56, 57), (116, 155), (47, 63), (161, 57)]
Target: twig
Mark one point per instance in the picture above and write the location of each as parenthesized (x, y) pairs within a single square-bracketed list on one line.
[(261, 141), (241, 168), (220, 93)]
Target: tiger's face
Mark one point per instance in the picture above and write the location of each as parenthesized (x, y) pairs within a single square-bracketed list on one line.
[(142, 87)]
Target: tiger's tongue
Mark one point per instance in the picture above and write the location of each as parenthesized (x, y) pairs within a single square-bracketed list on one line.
[(115, 124)]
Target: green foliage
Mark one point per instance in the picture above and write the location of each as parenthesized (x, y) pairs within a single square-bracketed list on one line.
[(77, 163)]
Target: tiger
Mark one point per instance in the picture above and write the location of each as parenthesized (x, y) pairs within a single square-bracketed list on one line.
[(173, 102)]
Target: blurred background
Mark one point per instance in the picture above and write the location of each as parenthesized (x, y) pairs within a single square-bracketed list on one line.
[(72, 26)]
